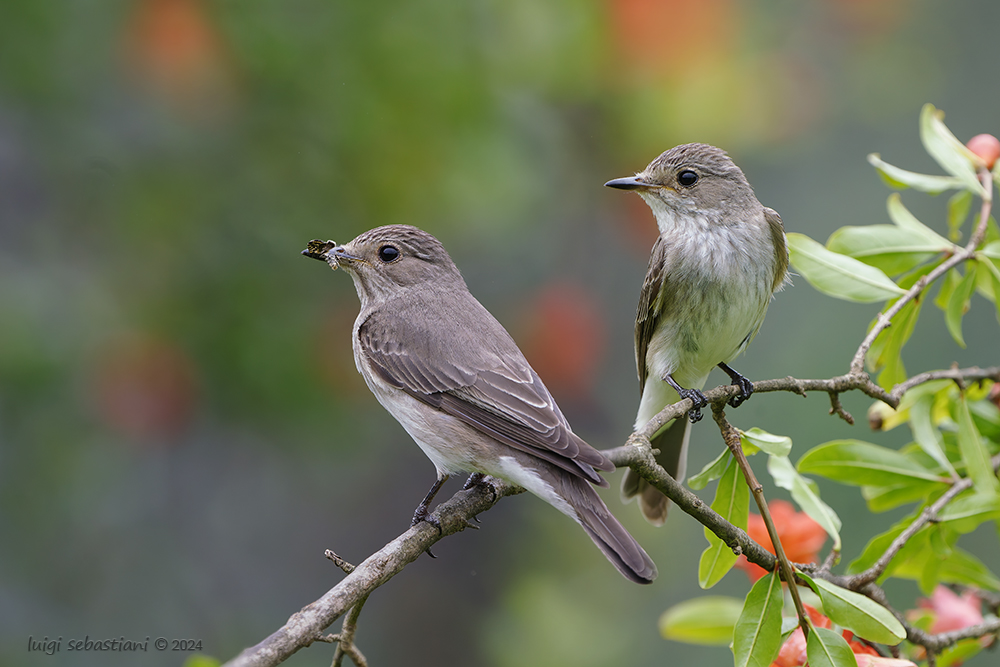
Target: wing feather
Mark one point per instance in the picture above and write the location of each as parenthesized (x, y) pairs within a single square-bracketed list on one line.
[(475, 372)]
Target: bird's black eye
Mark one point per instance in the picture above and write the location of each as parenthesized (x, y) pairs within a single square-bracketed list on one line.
[(388, 253), (687, 178)]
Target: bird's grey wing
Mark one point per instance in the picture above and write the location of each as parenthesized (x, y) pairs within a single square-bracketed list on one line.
[(777, 230), (650, 305), (469, 367)]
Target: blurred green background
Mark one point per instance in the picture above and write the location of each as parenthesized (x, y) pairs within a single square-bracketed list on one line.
[(182, 429)]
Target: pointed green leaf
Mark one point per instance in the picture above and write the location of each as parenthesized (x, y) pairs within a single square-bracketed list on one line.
[(706, 620), (886, 247), (947, 150), (958, 303), (901, 178), (776, 445), (732, 502), (862, 463), (948, 285), (991, 250), (757, 636), (905, 220), (711, 472), (974, 453), (838, 275), (891, 354), (927, 437), (786, 477), (969, 511), (826, 648), (958, 211), (862, 616), (961, 567)]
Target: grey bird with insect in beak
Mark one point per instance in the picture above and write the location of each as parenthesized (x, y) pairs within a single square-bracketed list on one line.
[(718, 260), (453, 377)]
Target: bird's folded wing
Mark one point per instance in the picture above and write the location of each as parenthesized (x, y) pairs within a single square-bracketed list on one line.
[(650, 303), (482, 379)]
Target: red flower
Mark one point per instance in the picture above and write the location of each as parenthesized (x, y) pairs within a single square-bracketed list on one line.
[(801, 537)]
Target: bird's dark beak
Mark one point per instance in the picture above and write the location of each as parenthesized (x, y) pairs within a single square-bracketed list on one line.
[(329, 252), (630, 183)]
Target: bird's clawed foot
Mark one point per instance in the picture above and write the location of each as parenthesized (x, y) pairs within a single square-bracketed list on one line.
[(697, 398), (475, 479), (745, 385)]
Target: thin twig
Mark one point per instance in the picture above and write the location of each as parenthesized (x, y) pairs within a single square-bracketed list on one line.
[(732, 439), (345, 640)]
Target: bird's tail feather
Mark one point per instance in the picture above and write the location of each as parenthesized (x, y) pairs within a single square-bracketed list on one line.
[(607, 533)]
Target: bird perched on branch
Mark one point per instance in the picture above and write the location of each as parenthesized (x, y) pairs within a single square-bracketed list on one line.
[(455, 380), (718, 260)]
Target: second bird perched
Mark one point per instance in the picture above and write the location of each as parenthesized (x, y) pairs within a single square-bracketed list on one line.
[(453, 377), (719, 258)]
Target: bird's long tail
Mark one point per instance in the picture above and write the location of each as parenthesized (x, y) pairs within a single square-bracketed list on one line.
[(607, 533)]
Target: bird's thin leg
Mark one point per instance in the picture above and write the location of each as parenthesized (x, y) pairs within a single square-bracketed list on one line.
[(422, 511), (698, 398), (745, 385)]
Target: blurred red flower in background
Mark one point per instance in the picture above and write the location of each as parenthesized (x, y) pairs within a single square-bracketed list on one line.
[(801, 537), (145, 387), (173, 49), (564, 338)]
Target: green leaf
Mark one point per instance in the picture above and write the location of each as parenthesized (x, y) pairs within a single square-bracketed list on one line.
[(927, 437), (891, 354), (838, 275), (991, 250), (948, 285), (974, 453), (958, 211), (901, 178), (883, 498), (878, 545), (959, 653), (862, 464), (961, 567), (775, 445), (826, 648), (862, 616), (969, 511), (786, 477), (706, 620), (757, 635), (711, 472), (905, 220), (958, 303), (948, 151), (886, 247), (989, 268), (732, 502)]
